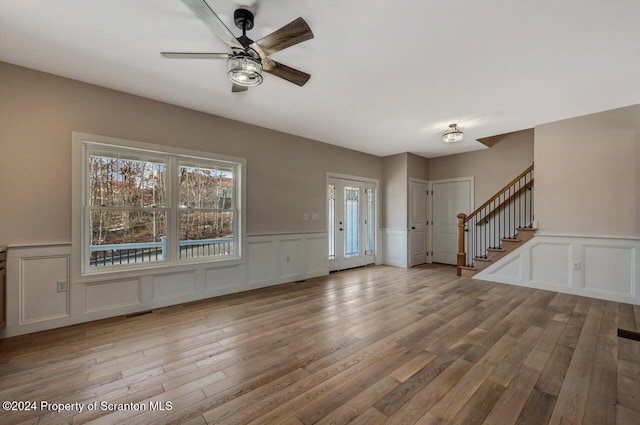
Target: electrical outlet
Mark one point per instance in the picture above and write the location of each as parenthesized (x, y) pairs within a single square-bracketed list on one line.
[(288, 259), (305, 216), (576, 266), (62, 286), (315, 216)]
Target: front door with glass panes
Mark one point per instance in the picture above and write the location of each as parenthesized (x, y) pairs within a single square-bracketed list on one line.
[(351, 223)]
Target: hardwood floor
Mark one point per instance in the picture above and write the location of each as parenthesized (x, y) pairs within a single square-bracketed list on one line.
[(377, 345)]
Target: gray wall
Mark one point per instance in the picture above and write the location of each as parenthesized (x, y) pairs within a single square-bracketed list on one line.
[(417, 167), (587, 179), (394, 192), (397, 171), (596, 154), (38, 112), (492, 167)]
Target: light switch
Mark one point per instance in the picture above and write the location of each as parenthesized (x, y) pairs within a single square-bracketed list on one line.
[(315, 216), (305, 216)]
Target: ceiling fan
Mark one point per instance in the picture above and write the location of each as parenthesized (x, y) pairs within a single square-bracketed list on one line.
[(249, 58)]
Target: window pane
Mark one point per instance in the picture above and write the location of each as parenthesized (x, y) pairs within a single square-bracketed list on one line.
[(206, 187), (206, 233), (124, 237), (188, 186), (370, 221), (332, 221), (155, 176), (126, 180), (102, 180), (129, 188), (352, 220)]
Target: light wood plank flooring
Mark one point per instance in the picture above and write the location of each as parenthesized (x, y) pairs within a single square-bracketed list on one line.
[(376, 345)]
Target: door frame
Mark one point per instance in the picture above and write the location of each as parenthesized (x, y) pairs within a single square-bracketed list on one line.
[(428, 218), (472, 192), (366, 180)]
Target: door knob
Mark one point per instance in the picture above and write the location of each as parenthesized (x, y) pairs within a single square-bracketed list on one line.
[(413, 227)]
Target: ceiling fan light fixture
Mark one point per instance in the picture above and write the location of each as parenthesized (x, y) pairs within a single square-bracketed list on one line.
[(453, 134), (245, 70)]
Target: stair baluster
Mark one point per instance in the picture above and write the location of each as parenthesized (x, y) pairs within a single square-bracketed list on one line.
[(495, 221)]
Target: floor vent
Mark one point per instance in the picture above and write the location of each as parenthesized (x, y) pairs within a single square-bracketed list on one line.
[(623, 333), (140, 313)]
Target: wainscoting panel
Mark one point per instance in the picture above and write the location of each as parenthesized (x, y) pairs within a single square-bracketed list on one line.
[(108, 295), (275, 259), (173, 285), (264, 262), (316, 249), (512, 269), (550, 263), (226, 280), (609, 269), (395, 244), (34, 304), (605, 268), (39, 297), (292, 259)]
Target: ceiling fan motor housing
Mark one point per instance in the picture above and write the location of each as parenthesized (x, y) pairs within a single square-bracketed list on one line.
[(243, 19)]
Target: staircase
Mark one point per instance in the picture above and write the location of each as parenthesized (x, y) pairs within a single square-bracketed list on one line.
[(497, 227)]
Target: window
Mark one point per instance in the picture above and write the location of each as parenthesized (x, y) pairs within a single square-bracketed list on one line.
[(147, 207), (206, 209), (126, 208)]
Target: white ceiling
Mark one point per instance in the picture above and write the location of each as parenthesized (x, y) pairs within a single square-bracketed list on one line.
[(387, 76)]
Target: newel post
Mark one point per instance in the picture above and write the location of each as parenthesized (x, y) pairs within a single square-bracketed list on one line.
[(461, 253)]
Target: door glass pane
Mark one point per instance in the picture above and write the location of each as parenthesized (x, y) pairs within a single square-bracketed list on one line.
[(332, 221), (352, 218), (370, 221)]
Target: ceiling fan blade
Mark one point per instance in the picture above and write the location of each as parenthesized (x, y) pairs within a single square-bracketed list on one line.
[(180, 55), (291, 34), (237, 88), (285, 72), (206, 14)]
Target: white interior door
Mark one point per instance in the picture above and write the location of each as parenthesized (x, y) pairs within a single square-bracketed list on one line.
[(352, 223), (450, 197), (418, 221)]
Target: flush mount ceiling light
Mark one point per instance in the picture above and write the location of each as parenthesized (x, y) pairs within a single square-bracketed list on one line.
[(453, 134), (245, 70)]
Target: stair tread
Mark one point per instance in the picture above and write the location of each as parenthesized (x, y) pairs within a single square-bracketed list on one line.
[(468, 268), (495, 250), (481, 259), (510, 240), (527, 229)]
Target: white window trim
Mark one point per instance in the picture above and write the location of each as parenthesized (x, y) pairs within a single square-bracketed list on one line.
[(79, 274)]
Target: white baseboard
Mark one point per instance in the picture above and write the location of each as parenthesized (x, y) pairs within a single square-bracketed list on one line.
[(34, 304), (605, 268)]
